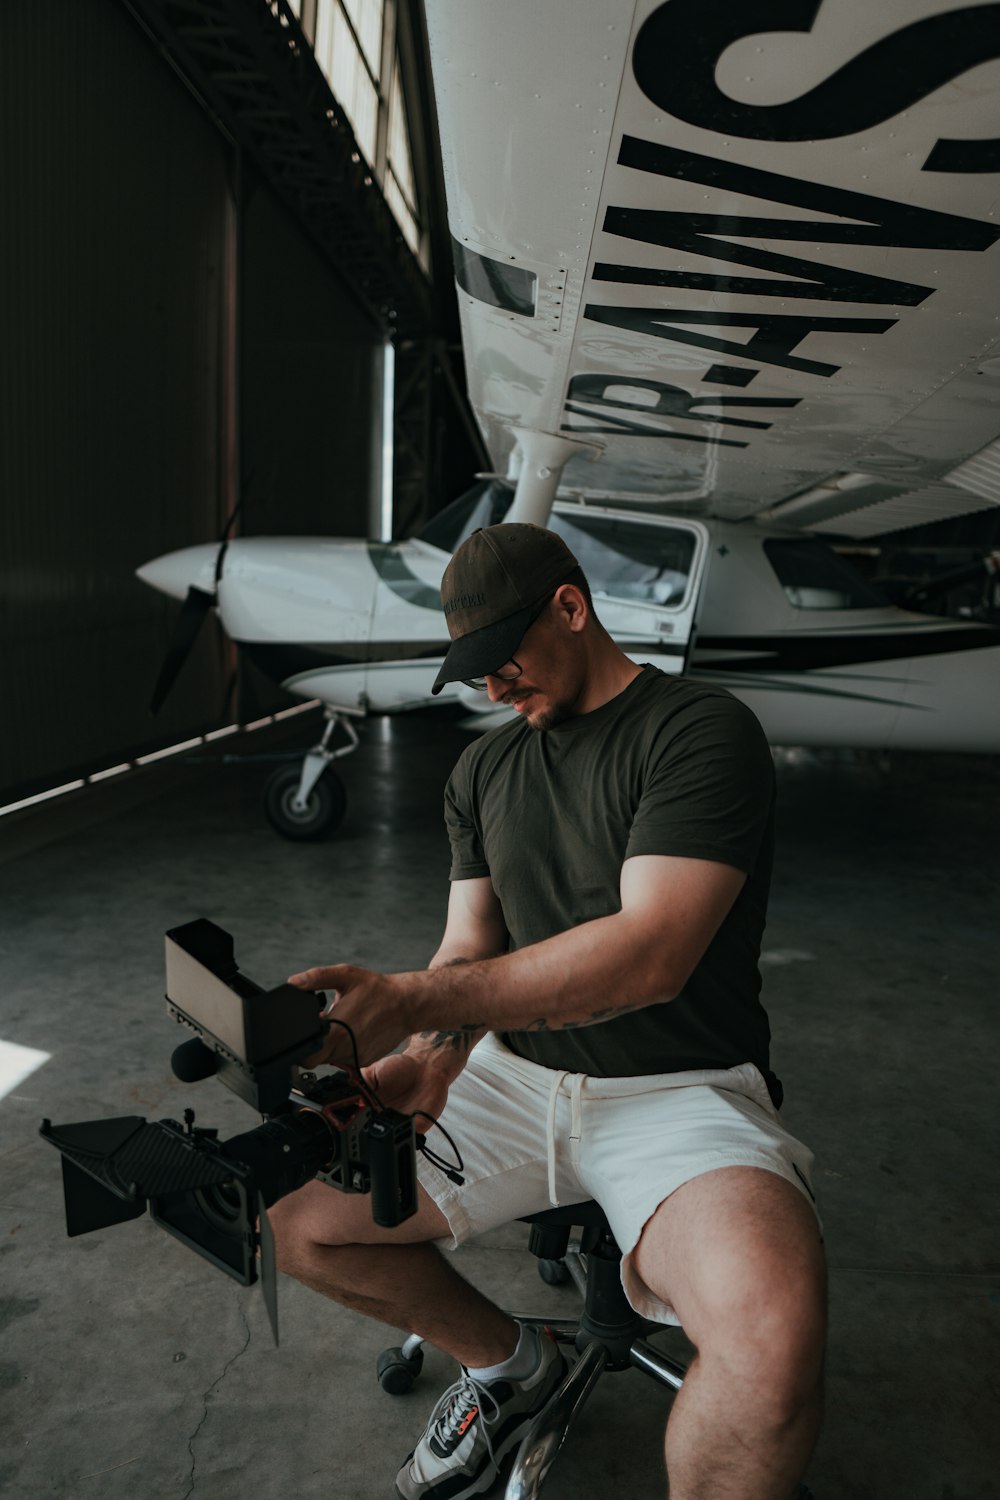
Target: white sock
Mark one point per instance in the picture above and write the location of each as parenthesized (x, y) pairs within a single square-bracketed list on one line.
[(522, 1363)]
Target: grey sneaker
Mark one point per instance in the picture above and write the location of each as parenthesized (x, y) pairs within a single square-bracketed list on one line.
[(473, 1428)]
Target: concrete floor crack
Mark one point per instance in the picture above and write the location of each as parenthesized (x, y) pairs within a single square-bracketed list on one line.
[(207, 1397)]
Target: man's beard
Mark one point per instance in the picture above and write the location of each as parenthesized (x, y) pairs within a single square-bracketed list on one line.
[(545, 718), (548, 718)]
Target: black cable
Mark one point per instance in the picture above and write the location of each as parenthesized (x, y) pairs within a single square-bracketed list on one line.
[(332, 1021), (452, 1172), (354, 1070)]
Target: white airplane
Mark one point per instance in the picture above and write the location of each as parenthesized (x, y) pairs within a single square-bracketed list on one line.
[(655, 206)]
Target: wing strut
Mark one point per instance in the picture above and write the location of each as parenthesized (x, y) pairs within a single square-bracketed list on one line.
[(541, 456)]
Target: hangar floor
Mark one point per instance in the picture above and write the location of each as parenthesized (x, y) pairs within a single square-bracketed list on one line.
[(130, 1368)]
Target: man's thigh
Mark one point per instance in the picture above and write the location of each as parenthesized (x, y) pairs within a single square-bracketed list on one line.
[(737, 1252)]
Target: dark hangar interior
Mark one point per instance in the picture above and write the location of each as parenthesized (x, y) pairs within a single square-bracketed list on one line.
[(230, 312)]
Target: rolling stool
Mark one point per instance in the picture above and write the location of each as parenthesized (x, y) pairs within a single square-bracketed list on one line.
[(609, 1336)]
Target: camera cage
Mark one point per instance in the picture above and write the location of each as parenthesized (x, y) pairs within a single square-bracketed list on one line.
[(199, 1189)]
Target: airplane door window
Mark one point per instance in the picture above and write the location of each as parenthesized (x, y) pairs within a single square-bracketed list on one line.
[(630, 559), (814, 577)]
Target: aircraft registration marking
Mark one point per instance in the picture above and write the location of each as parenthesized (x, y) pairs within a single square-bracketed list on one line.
[(787, 271)]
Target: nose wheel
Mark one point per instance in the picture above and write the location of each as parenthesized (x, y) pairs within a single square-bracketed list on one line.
[(308, 801), (312, 817)]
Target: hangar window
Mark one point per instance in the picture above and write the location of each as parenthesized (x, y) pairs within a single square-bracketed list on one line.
[(364, 77), (400, 188), (351, 73), (630, 559), (814, 577)]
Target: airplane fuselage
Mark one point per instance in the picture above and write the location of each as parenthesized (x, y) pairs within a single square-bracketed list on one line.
[(358, 625)]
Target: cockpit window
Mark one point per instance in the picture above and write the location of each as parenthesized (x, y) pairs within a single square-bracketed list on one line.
[(484, 505), (814, 577), (627, 559), (623, 559)]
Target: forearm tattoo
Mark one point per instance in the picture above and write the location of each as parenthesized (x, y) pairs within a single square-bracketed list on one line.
[(461, 1038)]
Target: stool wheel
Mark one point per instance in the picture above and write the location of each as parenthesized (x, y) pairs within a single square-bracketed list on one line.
[(397, 1372), (553, 1272)]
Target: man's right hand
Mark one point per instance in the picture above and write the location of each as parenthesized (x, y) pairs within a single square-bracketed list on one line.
[(411, 1083)]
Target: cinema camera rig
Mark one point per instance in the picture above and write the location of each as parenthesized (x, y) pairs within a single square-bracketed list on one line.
[(213, 1195)]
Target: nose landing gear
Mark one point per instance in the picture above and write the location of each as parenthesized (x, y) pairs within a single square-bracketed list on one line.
[(308, 802)]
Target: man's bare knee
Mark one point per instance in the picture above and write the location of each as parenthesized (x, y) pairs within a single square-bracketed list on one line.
[(318, 1216), (739, 1256), (771, 1337)]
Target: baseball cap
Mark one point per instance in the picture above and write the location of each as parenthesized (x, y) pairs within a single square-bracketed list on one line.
[(491, 590)]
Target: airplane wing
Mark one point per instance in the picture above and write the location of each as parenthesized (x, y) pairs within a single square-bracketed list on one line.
[(745, 248)]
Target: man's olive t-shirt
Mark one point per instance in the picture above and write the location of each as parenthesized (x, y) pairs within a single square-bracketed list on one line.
[(671, 767)]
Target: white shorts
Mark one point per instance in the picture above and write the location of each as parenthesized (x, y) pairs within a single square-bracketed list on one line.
[(532, 1138)]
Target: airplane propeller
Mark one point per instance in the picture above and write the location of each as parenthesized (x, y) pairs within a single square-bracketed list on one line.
[(187, 626), (195, 606)]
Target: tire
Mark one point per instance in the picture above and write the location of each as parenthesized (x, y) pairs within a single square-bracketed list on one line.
[(553, 1272), (323, 812), (396, 1373)]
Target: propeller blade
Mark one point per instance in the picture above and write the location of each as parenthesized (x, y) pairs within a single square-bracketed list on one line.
[(196, 606)]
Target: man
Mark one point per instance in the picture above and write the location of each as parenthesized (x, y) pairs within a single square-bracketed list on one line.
[(589, 1027)]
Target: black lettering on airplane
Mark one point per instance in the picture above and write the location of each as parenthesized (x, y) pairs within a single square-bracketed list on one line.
[(671, 401), (886, 78), (891, 75), (778, 333), (884, 222)]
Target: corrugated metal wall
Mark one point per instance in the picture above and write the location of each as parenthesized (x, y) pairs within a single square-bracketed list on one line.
[(114, 384), (309, 398), (309, 367)]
